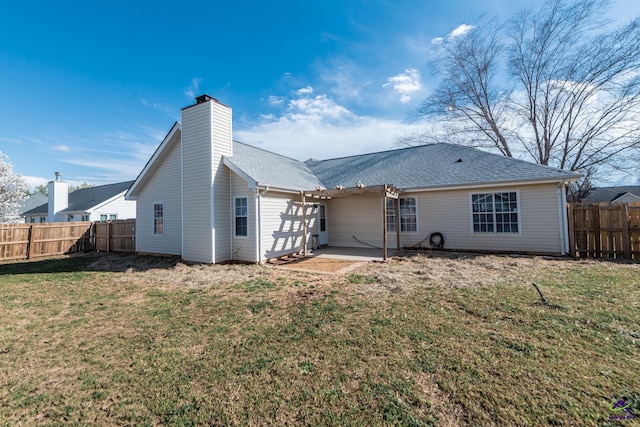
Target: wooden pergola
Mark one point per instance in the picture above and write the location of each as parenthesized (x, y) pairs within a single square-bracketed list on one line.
[(386, 191)]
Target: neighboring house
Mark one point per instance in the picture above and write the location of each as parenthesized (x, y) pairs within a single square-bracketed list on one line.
[(33, 201), (99, 203), (210, 199), (622, 194)]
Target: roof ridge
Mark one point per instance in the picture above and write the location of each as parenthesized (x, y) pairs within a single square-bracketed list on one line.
[(378, 152), (267, 151)]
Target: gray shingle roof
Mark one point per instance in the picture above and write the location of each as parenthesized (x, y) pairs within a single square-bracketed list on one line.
[(270, 169), (431, 165), (609, 194), (86, 198), (33, 201)]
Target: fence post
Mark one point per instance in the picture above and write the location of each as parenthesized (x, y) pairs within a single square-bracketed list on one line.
[(572, 231), (30, 241), (596, 231), (626, 241), (108, 236)]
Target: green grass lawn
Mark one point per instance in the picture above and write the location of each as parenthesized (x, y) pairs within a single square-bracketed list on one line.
[(422, 340)]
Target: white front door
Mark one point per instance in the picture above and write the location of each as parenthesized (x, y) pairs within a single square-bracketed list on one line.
[(323, 233)]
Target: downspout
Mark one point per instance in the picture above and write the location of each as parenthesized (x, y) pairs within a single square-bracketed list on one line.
[(562, 216), (565, 221)]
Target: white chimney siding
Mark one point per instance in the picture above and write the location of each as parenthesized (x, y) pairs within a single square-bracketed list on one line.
[(58, 199), (206, 137)]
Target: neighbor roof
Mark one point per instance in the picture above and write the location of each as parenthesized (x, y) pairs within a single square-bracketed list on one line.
[(433, 165), (609, 194), (33, 201), (85, 199), (265, 168)]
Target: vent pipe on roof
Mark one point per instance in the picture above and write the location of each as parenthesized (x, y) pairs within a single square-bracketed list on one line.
[(58, 176), (203, 98)]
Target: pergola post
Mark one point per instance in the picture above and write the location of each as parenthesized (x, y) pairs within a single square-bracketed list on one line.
[(304, 225), (397, 204), (384, 223)]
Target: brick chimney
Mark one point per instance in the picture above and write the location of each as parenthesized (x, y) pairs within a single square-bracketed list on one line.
[(58, 198)]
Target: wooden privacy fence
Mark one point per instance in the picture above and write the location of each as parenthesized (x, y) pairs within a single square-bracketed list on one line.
[(115, 236), (605, 230), (30, 241)]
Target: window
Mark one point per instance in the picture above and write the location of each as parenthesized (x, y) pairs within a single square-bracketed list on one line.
[(323, 218), (495, 212), (158, 218), (43, 219), (241, 216), (113, 217), (408, 215), (69, 218), (103, 217), (85, 217), (32, 219)]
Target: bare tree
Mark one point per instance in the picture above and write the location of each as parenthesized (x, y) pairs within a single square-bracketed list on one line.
[(13, 191), (549, 85)]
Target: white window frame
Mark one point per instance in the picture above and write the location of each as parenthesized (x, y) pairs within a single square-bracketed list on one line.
[(236, 216), (493, 213), (154, 228), (391, 214), (115, 217)]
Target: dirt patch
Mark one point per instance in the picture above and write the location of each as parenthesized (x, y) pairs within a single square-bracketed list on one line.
[(327, 265)]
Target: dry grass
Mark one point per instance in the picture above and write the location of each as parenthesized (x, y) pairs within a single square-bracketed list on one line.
[(455, 339)]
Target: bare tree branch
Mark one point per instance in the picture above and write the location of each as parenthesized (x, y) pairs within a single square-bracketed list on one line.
[(550, 85)]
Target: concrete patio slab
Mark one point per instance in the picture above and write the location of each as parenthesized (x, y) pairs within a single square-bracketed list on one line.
[(353, 254)]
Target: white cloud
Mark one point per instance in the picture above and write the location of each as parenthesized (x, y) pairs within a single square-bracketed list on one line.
[(405, 84), (319, 109), (276, 100), (304, 91), (33, 181), (461, 30), (63, 148), (11, 140), (193, 89), (320, 128)]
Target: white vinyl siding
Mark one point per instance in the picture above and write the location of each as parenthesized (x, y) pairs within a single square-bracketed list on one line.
[(448, 212), (118, 207), (356, 217), (162, 186), (206, 137), (282, 231), (197, 183), (221, 141), (243, 248)]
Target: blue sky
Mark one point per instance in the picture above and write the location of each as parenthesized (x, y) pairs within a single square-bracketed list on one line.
[(90, 88)]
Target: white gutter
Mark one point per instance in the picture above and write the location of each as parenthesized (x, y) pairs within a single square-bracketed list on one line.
[(485, 185)]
